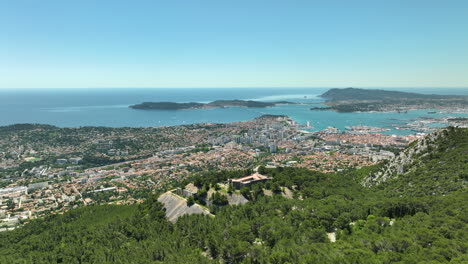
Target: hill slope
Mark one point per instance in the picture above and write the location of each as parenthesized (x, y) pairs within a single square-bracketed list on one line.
[(336, 94), (365, 100), (383, 223), (176, 206), (434, 165)]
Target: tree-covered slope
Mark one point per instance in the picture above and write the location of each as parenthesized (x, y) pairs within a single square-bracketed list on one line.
[(370, 224), (434, 165), (336, 94)]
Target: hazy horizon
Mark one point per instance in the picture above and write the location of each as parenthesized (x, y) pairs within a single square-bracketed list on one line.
[(244, 87)]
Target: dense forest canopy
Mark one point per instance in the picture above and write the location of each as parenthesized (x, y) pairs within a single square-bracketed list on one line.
[(398, 221)]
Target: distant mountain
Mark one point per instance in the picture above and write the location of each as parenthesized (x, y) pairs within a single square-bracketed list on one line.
[(366, 100), (337, 94), (214, 104)]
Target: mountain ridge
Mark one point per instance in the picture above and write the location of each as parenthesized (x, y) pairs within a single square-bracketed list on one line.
[(430, 157), (339, 94)]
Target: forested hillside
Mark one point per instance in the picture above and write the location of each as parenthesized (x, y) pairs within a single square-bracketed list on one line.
[(399, 221), (369, 94), (434, 165), (366, 100)]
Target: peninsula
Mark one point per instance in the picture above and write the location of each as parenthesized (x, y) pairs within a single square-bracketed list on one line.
[(367, 100), (214, 104)]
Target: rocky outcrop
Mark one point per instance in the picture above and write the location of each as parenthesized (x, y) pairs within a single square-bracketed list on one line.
[(236, 199), (286, 193), (176, 206), (405, 160), (233, 199)]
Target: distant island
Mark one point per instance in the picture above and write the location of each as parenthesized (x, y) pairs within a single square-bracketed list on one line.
[(214, 104), (337, 94), (368, 100)]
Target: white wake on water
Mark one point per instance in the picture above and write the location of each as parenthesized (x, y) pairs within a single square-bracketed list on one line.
[(284, 97)]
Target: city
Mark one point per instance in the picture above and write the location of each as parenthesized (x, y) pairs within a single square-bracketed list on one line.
[(69, 180)]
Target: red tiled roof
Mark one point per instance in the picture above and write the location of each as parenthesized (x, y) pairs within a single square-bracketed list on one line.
[(253, 177)]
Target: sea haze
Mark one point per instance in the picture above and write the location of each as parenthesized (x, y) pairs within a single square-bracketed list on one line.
[(109, 107)]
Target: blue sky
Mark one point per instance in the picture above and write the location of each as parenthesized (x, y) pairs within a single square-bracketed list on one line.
[(233, 43)]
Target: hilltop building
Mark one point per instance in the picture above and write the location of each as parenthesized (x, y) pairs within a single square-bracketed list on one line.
[(248, 180), (189, 190)]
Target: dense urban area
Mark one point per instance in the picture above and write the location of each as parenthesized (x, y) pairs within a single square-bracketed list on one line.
[(50, 170)]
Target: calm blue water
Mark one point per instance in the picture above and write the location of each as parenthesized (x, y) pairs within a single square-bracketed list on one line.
[(109, 107)]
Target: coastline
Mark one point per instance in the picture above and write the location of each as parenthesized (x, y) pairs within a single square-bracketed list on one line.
[(99, 109), (393, 126), (214, 104)]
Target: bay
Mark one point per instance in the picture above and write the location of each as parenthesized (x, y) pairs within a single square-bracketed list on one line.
[(109, 107)]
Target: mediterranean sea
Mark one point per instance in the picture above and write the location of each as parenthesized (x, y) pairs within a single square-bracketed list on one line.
[(109, 107)]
